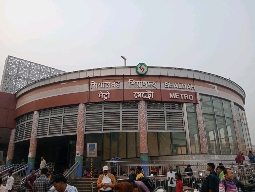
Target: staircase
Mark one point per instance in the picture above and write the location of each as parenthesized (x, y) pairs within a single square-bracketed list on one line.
[(84, 184)]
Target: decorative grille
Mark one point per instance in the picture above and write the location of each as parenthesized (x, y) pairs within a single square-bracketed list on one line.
[(18, 73)]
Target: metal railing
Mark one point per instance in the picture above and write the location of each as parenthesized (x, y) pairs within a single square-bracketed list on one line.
[(159, 168), (16, 169), (124, 166), (70, 173), (6, 168)]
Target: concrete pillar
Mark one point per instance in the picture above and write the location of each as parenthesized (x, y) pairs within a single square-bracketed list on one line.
[(201, 128), (11, 148), (80, 138), (239, 143), (143, 136), (33, 143)]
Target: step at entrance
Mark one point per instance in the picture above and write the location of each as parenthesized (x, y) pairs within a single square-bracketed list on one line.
[(85, 184)]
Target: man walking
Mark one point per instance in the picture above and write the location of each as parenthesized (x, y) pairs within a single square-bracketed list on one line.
[(42, 184), (10, 181), (171, 180), (211, 184), (30, 181), (43, 163)]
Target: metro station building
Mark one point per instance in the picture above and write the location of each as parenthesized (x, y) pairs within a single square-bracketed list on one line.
[(138, 111)]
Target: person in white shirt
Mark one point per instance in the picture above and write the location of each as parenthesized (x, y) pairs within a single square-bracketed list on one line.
[(10, 181), (106, 181), (171, 180), (43, 163), (2, 188)]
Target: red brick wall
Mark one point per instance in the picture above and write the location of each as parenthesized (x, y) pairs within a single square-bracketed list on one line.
[(7, 110)]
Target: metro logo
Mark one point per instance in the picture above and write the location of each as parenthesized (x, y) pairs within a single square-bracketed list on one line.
[(141, 69)]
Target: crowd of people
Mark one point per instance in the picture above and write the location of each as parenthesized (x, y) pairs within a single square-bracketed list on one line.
[(221, 180)]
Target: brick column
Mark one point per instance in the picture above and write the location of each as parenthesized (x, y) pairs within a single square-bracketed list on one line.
[(143, 135), (236, 126), (80, 138), (33, 143), (11, 148), (201, 127)]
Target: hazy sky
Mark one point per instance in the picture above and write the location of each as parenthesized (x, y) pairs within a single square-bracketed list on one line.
[(215, 36)]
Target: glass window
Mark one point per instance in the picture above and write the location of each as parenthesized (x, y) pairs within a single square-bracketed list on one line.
[(237, 112), (218, 107), (232, 135), (194, 133), (191, 107), (211, 134), (131, 145), (164, 143), (223, 135), (207, 104), (227, 108), (179, 143), (152, 138)]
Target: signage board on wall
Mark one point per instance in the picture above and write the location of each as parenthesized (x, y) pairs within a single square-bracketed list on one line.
[(91, 149)]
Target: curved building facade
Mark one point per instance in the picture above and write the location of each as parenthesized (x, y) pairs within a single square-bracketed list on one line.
[(136, 112)]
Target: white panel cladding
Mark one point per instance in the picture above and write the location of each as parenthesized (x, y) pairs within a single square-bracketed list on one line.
[(163, 71), (123, 71), (189, 74), (73, 75), (180, 73), (133, 71), (57, 79), (108, 72), (196, 75), (170, 72), (63, 77), (83, 74), (206, 77), (97, 73), (156, 71), (90, 73)]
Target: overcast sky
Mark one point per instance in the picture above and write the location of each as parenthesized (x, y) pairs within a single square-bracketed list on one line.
[(215, 36)]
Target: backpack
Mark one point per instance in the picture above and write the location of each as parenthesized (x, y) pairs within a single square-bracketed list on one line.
[(149, 183)]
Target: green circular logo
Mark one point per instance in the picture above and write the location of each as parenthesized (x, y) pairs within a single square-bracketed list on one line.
[(141, 69)]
